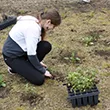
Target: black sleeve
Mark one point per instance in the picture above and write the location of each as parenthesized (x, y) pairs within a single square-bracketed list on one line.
[(35, 62)]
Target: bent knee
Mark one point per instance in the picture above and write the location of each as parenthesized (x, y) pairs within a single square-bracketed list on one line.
[(38, 82), (45, 44)]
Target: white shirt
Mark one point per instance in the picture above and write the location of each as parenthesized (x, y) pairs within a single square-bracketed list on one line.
[(26, 33)]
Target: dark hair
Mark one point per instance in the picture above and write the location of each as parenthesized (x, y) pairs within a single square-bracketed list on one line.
[(53, 15)]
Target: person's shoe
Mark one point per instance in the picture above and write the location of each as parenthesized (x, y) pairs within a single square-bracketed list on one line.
[(11, 71), (86, 1)]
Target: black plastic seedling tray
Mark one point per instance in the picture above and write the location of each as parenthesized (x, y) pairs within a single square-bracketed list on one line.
[(89, 97)]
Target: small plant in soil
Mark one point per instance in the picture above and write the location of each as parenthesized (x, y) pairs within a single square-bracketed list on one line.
[(91, 38), (73, 58), (82, 80), (2, 83)]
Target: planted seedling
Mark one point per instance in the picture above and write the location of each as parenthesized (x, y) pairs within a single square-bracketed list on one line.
[(2, 83), (91, 39), (73, 58)]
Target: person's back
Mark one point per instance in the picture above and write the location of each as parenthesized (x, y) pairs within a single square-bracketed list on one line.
[(25, 27)]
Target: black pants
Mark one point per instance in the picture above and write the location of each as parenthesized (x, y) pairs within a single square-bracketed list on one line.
[(22, 66)]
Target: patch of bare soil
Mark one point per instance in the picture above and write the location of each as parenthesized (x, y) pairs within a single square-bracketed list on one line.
[(103, 53), (26, 6), (32, 99), (4, 92)]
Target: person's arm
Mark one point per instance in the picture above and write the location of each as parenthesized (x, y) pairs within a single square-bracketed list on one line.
[(31, 44), (31, 38), (35, 62)]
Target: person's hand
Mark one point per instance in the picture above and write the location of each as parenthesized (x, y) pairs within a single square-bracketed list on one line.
[(47, 74), (44, 65)]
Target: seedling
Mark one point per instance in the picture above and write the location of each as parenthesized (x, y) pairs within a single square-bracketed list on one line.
[(91, 38), (2, 83), (81, 80), (73, 58)]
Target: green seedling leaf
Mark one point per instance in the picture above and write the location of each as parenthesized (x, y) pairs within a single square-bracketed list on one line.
[(81, 80), (3, 84), (66, 58)]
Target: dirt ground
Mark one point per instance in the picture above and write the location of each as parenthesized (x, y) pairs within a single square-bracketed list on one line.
[(79, 20)]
